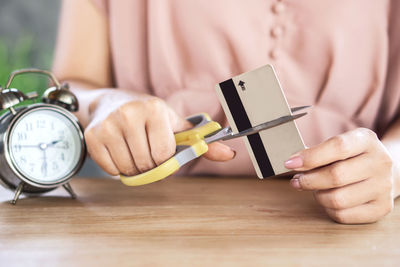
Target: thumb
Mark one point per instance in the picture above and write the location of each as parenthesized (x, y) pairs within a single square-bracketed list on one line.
[(216, 151), (219, 152)]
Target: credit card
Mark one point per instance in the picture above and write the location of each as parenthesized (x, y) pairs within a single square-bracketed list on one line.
[(255, 97)]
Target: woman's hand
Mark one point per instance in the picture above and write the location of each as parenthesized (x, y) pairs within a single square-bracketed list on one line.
[(129, 133), (352, 176)]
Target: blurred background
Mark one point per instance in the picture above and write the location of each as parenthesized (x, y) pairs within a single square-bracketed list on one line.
[(28, 31)]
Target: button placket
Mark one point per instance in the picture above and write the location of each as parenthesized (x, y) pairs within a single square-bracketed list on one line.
[(277, 31)]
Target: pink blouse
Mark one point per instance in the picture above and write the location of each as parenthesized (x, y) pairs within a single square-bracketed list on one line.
[(342, 57)]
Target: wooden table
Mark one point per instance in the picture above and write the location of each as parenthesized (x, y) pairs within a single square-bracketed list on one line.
[(203, 221)]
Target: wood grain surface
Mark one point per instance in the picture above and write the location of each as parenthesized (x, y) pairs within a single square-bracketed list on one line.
[(188, 221)]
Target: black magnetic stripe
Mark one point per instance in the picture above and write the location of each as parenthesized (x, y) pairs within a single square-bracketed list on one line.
[(242, 122)]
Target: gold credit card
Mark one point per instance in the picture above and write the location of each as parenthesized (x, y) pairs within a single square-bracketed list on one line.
[(255, 97)]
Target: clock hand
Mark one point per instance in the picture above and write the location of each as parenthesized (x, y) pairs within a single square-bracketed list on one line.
[(44, 164), (41, 146), (65, 146), (33, 146), (44, 146), (53, 143)]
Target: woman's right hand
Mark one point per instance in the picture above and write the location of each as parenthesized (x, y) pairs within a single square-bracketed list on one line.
[(126, 133), (130, 134)]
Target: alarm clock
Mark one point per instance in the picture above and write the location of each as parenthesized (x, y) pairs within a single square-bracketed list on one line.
[(41, 144)]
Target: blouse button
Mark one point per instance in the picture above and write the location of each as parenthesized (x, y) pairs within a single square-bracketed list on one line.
[(274, 54), (276, 31), (278, 8)]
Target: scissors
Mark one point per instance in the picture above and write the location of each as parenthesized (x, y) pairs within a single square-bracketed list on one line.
[(193, 143)]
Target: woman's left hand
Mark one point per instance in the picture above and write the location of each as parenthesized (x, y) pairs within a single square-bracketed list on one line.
[(352, 176)]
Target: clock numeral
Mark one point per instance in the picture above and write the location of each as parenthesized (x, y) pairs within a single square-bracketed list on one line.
[(65, 145), (62, 156), (40, 124), (22, 136), (28, 126), (44, 167), (22, 159), (61, 134), (32, 167), (17, 148), (55, 166)]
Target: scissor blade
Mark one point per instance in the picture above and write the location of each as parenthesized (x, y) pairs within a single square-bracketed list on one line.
[(218, 135), (295, 109), (265, 126)]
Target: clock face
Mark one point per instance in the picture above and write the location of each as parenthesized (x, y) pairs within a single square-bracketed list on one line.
[(45, 146)]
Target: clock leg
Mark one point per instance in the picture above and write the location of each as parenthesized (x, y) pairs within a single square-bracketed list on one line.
[(68, 188), (17, 193)]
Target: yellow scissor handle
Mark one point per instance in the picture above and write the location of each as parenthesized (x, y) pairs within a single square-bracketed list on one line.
[(190, 145), (203, 125)]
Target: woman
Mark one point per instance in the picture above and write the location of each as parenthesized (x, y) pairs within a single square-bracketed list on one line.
[(165, 57)]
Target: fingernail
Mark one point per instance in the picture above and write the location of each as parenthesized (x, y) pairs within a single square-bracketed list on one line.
[(294, 162), (295, 182), (297, 176), (234, 153)]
